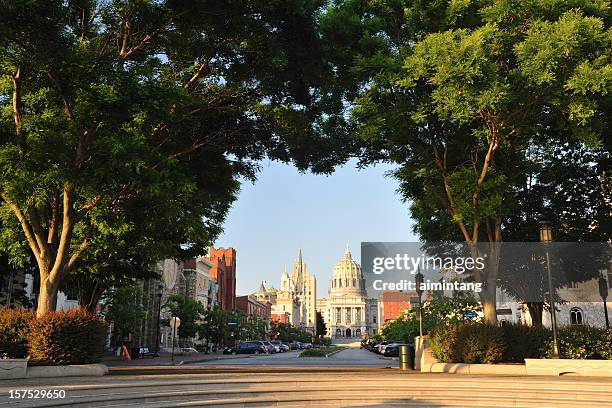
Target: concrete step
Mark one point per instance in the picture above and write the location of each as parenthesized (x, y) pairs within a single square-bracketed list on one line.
[(205, 393)]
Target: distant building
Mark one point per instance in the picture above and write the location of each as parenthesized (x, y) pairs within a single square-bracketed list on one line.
[(295, 301), (281, 317), (224, 272), (192, 278), (252, 307), (392, 304), (347, 311)]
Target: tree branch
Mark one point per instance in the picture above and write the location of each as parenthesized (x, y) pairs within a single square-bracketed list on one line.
[(16, 102), (66, 236)]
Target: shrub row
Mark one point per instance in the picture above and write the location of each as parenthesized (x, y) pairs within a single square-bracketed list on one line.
[(482, 343), (57, 338)]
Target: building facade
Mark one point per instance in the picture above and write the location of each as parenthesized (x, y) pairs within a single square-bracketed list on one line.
[(296, 300), (223, 270), (393, 303), (252, 307), (347, 311)]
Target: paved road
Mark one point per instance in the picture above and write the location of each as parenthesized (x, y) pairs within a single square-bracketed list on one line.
[(351, 357)]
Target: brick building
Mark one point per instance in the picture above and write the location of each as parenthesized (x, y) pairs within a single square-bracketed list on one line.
[(223, 271), (392, 303), (251, 307)]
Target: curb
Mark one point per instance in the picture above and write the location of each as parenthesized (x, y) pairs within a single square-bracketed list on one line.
[(74, 370)]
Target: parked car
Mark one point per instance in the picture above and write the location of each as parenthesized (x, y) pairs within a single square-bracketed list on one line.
[(307, 346), (381, 346), (189, 350), (270, 346), (229, 350), (251, 347), (280, 348), (295, 345), (392, 350), (287, 346), (145, 352)]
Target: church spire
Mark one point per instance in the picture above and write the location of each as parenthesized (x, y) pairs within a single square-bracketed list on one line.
[(300, 257)]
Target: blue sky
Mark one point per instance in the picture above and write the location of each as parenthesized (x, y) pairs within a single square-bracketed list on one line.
[(286, 210)]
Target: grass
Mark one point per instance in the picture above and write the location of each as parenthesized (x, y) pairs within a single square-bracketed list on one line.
[(322, 352)]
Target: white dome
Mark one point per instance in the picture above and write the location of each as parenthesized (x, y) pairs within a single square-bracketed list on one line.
[(347, 276), (347, 267)]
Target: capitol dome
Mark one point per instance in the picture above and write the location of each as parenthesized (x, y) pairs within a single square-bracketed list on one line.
[(347, 276)]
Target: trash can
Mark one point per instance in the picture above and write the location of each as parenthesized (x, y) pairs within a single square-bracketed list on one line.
[(406, 358)]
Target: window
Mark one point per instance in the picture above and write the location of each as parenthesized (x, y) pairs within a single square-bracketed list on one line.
[(373, 319), (348, 315), (576, 316)]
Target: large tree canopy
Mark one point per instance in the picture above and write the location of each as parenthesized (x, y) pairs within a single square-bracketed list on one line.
[(456, 92), (126, 123)]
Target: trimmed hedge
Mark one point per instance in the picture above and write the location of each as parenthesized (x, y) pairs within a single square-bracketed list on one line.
[(526, 342), (481, 343), (14, 329), (72, 337)]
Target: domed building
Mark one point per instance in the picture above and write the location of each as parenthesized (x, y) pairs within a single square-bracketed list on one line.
[(347, 311)]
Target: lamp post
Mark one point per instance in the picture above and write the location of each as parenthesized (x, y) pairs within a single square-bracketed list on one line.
[(603, 292), (418, 280), (546, 238), (175, 322), (160, 290)]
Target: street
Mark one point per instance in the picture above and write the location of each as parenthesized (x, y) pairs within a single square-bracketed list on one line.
[(351, 357)]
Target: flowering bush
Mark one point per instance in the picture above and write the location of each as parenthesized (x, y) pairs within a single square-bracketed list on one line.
[(14, 328)]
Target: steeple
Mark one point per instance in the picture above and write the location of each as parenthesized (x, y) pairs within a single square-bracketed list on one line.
[(300, 257)]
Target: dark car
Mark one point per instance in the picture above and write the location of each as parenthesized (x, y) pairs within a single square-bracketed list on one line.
[(295, 345), (392, 350), (251, 347)]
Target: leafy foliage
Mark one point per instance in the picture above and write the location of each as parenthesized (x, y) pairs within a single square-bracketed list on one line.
[(455, 93), (72, 337), (126, 125), (437, 310), (189, 310), (124, 309)]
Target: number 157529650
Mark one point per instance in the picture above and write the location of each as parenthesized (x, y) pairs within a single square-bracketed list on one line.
[(37, 394)]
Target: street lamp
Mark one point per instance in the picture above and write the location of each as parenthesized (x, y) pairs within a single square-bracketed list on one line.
[(603, 292), (418, 280), (175, 322), (546, 238), (160, 291)]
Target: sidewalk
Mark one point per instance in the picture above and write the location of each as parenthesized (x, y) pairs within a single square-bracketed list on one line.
[(166, 359)]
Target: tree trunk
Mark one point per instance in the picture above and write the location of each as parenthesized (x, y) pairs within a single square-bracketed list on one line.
[(47, 298), (489, 304), (536, 311)]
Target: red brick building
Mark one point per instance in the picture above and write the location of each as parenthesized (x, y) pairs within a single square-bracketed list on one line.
[(281, 316), (251, 307), (393, 303), (224, 272)]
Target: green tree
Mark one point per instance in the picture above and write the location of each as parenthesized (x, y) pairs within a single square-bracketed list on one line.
[(123, 307), (109, 109), (189, 310), (437, 310), (455, 92)]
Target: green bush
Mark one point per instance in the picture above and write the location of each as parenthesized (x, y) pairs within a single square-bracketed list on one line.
[(14, 328), (479, 343), (525, 342), (72, 337), (580, 342), (443, 341), (604, 344)]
